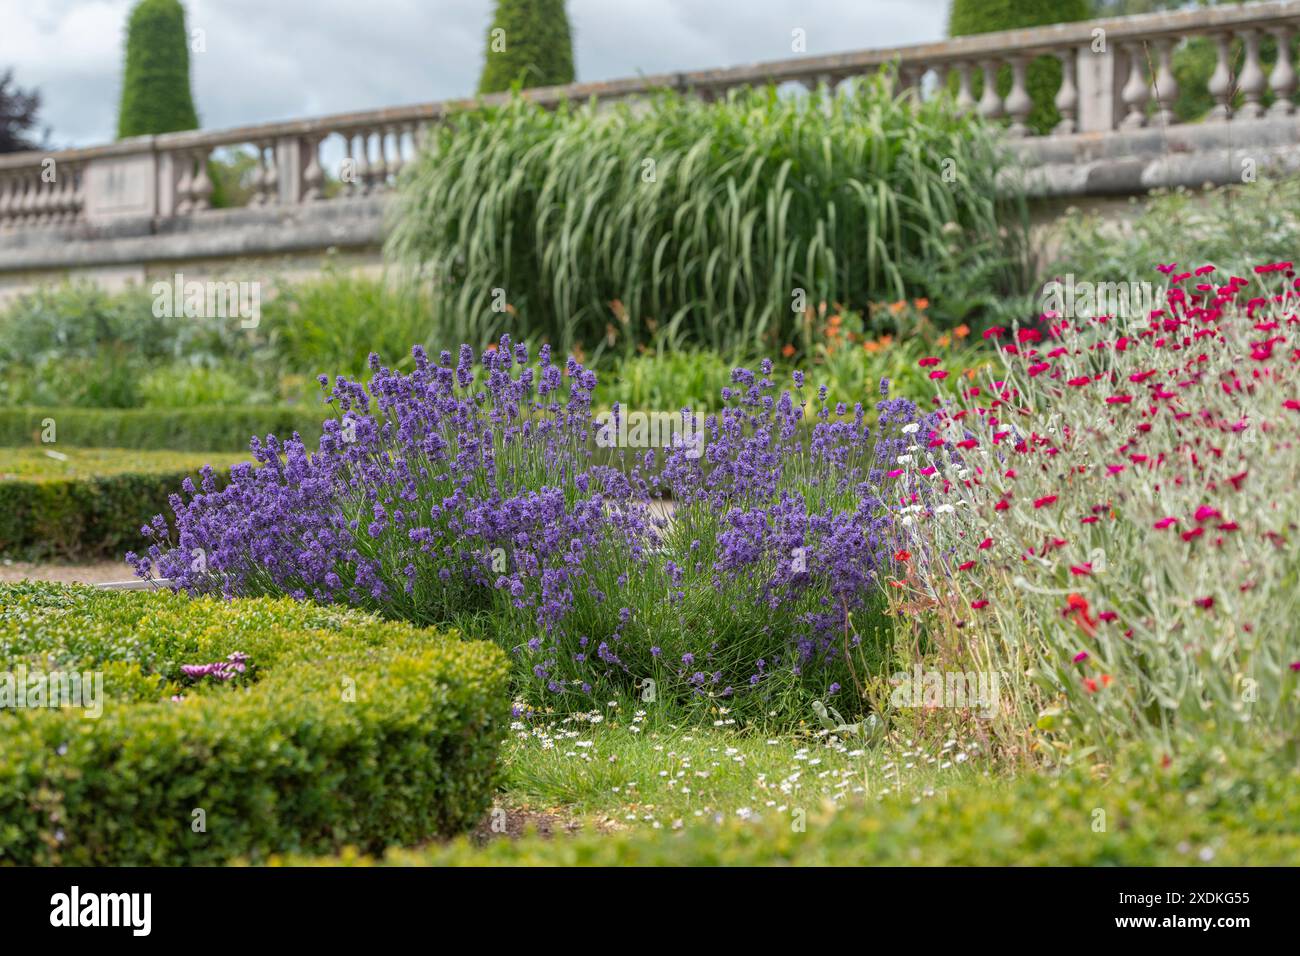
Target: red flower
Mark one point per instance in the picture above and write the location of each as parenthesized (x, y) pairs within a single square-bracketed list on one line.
[(1205, 602), (938, 374), (928, 361), (902, 555), (966, 566), (979, 604), (1194, 533), (986, 544), (1118, 399), (1081, 570), (1044, 502), (1205, 513), (1165, 523), (1080, 657)]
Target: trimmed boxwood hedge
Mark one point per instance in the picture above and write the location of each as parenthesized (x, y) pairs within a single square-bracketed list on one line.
[(91, 506), (279, 760), (212, 428), (1225, 812)]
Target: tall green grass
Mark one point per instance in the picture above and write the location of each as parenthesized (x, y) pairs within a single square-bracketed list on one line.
[(709, 224)]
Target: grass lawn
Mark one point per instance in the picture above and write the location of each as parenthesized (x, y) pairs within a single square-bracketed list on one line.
[(619, 788)]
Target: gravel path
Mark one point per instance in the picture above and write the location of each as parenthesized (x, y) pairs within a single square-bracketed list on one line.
[(97, 573)]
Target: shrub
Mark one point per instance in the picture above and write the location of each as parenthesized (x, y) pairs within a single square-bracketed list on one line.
[(1233, 227), (156, 83), (340, 729), (77, 344), (1226, 812), (334, 322), (1109, 518), (220, 429), (715, 224), (91, 504), (434, 499), (533, 47)]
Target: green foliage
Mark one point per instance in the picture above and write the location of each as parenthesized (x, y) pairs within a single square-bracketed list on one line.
[(1043, 77), (156, 82), (704, 222), (1234, 227), (538, 47), (90, 503), (1222, 810), (77, 344), (201, 428), (346, 730), (331, 324)]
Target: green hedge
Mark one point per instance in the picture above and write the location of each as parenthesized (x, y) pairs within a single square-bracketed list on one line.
[(279, 759), (92, 504), (224, 428), (1212, 813)]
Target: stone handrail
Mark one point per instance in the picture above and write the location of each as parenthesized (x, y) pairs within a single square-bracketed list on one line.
[(1116, 77)]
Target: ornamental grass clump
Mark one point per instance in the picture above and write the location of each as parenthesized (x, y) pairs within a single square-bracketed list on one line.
[(471, 492), (1111, 518)]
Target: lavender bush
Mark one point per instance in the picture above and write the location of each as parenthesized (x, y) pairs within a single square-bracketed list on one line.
[(468, 493)]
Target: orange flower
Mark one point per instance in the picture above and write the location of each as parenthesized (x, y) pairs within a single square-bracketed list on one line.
[(872, 346), (945, 341), (835, 319), (788, 350), (961, 331), (897, 307), (922, 304)]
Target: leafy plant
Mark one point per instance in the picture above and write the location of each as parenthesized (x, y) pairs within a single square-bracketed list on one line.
[(715, 224)]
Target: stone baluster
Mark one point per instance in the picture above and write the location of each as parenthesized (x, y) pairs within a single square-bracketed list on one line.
[(184, 183), (1018, 104), (313, 176), (396, 161), (270, 175), (1164, 88), (990, 104), (360, 169), (1135, 92), (1252, 79), (1220, 84), (1282, 81), (201, 187), (379, 170), (78, 200), (37, 204), (965, 100), (1067, 97), (6, 182)]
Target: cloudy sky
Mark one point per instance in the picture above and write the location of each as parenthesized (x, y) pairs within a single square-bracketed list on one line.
[(280, 59)]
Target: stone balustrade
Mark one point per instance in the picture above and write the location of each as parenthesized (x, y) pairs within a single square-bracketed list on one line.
[(1117, 88)]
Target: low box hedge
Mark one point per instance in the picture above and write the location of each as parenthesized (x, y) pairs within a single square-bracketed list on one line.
[(342, 730), (214, 428), (88, 503)]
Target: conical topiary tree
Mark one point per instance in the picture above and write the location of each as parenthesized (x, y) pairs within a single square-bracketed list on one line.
[(1043, 78), (156, 83), (529, 41)]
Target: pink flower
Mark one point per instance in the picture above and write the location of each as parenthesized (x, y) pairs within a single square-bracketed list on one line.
[(928, 361), (1080, 657), (1165, 523), (1205, 513), (938, 374), (977, 605), (1045, 501), (1205, 602)]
